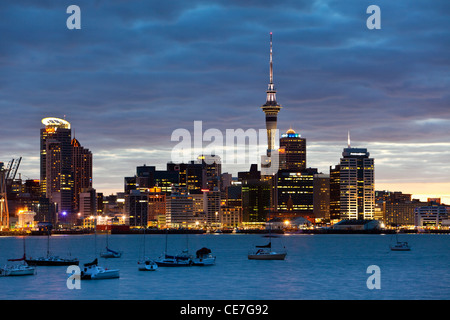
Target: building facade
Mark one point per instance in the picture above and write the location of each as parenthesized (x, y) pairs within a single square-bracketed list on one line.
[(292, 153), (56, 174), (357, 184)]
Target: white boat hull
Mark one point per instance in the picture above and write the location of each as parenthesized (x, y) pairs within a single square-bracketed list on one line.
[(106, 274), (147, 265), (99, 273), (173, 263), (204, 261), (18, 271)]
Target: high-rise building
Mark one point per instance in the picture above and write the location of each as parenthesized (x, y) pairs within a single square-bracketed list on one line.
[(255, 201), (212, 170), (212, 206), (271, 107), (190, 175), (156, 206), (180, 209), (56, 166), (335, 193), (295, 192), (136, 204), (87, 206), (82, 171), (396, 208), (321, 191), (357, 183), (292, 152)]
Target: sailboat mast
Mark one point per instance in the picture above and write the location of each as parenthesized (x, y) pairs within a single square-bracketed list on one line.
[(24, 249), (48, 241)]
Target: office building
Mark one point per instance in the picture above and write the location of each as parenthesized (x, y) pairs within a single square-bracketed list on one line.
[(180, 209), (292, 152), (295, 193), (357, 193), (212, 206), (136, 205), (156, 207), (321, 197), (335, 193), (255, 201), (56, 176), (82, 171), (431, 216), (87, 204)]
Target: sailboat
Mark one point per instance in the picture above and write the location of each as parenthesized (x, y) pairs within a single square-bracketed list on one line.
[(92, 271), (265, 252), (184, 259), (51, 260), (146, 264), (109, 253), (400, 245), (19, 269)]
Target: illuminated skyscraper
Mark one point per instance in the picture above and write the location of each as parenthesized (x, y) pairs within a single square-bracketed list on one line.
[(357, 184), (271, 108), (56, 165), (292, 151)]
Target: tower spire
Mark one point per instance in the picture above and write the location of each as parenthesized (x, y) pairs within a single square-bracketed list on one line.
[(271, 62), (271, 107)]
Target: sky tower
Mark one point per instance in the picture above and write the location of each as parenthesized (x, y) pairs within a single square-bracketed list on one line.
[(271, 108)]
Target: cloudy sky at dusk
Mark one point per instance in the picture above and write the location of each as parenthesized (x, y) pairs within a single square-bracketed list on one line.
[(138, 70)]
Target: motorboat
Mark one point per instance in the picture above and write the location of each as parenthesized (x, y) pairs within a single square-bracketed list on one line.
[(265, 252), (92, 271), (147, 265), (184, 259), (17, 270), (110, 253), (204, 257)]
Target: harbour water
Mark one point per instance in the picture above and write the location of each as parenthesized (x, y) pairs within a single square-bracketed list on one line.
[(318, 267)]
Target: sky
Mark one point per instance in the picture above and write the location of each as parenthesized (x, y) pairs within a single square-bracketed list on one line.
[(137, 71)]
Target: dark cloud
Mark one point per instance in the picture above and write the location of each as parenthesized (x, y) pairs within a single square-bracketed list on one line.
[(137, 70)]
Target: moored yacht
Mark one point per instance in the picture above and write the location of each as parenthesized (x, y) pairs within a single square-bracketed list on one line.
[(265, 253), (147, 265), (181, 260), (51, 261), (92, 271), (400, 245), (204, 257), (17, 270)]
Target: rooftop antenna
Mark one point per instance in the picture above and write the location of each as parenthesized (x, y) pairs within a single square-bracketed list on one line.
[(348, 139)]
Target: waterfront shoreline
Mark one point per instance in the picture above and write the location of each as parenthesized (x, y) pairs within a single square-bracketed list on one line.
[(250, 231)]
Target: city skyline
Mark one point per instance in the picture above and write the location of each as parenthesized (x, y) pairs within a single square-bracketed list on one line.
[(133, 74)]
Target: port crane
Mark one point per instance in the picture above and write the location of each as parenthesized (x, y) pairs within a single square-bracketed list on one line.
[(7, 176)]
